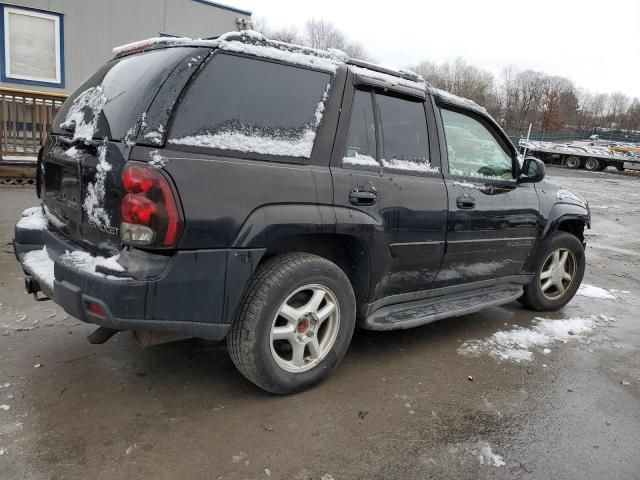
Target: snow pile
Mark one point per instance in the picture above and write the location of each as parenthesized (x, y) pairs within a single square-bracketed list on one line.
[(398, 164), (480, 450), (157, 160), (86, 262), (245, 138), (85, 112), (40, 265), (360, 160), (33, 219), (516, 345), (591, 291), (155, 136), (255, 142), (94, 200)]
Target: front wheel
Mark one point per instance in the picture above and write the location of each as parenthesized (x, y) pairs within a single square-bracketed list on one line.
[(294, 324), (560, 270)]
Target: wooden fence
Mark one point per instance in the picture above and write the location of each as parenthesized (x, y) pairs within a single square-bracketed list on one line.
[(25, 119)]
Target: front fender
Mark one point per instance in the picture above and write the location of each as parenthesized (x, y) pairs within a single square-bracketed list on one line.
[(562, 212)]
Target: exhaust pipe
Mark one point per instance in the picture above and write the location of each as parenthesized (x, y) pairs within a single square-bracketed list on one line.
[(101, 334), (148, 338)]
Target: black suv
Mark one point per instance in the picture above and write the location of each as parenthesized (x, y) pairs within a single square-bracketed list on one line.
[(277, 196)]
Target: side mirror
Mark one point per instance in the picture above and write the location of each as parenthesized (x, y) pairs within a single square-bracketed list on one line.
[(532, 171)]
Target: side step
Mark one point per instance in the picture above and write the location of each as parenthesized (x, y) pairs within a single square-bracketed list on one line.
[(421, 312)]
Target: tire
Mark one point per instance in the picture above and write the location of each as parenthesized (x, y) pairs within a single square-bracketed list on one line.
[(573, 163), (592, 164), (287, 284), (552, 299)]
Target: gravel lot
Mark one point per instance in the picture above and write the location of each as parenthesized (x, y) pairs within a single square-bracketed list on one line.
[(401, 406)]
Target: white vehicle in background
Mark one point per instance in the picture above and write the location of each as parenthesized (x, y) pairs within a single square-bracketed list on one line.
[(595, 155)]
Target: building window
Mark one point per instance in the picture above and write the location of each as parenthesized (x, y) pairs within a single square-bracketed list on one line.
[(32, 44)]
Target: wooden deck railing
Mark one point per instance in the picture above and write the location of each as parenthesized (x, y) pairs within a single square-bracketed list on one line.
[(25, 119)]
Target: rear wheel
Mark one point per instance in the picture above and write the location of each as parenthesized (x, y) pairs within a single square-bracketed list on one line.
[(573, 162), (592, 164), (294, 324), (559, 273)]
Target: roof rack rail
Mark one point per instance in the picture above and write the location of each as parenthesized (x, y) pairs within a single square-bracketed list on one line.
[(377, 68)]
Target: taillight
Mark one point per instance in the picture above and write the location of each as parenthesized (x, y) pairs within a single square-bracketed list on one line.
[(149, 210)]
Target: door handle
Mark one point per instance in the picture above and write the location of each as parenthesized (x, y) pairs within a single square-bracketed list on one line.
[(466, 203), (363, 198)]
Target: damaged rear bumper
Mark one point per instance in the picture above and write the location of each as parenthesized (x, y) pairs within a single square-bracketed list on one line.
[(192, 293)]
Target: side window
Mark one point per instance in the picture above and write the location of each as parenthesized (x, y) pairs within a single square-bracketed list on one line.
[(360, 147), (472, 150), (250, 105), (405, 139)]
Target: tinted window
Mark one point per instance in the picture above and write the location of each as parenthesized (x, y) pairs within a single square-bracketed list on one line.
[(473, 151), (404, 133), (361, 136), (252, 105), (112, 101)]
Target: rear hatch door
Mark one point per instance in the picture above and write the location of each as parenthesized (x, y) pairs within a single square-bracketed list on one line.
[(91, 138)]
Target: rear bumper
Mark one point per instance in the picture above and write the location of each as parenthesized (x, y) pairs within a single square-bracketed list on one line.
[(193, 293)]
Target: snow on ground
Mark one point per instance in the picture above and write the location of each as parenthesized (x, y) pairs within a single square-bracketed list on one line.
[(480, 450), (518, 344), (33, 219), (40, 265), (591, 291)]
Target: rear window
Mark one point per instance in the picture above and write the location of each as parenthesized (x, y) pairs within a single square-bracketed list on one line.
[(251, 105), (114, 100)]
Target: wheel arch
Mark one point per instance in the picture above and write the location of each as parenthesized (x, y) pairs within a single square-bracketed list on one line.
[(569, 218), (348, 252)]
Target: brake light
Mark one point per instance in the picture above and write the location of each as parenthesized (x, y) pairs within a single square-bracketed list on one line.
[(149, 210)]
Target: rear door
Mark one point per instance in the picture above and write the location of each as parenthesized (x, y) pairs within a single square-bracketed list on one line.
[(90, 140), (493, 220)]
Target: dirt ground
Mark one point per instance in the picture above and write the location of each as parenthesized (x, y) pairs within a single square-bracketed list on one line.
[(401, 405)]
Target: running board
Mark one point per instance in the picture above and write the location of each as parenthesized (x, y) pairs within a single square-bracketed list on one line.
[(421, 312)]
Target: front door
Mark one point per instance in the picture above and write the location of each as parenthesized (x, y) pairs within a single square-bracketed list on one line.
[(493, 220)]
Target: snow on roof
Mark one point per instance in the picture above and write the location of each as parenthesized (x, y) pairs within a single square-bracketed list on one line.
[(254, 43), (251, 43), (385, 77), (456, 99)]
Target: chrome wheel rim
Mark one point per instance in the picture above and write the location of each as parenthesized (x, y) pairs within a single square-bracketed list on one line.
[(305, 328), (591, 164), (558, 273), (572, 162)]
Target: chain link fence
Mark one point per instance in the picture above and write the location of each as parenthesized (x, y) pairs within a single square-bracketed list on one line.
[(562, 137)]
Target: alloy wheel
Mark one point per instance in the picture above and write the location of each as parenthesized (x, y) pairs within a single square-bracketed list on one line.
[(305, 328), (558, 273)]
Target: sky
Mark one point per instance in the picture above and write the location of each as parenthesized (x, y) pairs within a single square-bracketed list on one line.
[(594, 43)]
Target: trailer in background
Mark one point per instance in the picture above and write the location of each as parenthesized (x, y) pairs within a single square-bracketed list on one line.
[(587, 154)]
